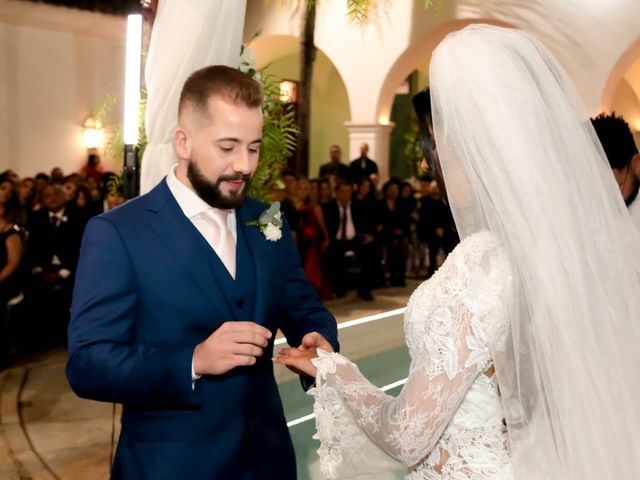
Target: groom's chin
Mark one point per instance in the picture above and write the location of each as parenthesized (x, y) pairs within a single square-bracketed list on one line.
[(232, 200)]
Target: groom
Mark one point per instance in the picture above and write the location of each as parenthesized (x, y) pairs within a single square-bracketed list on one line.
[(178, 299)]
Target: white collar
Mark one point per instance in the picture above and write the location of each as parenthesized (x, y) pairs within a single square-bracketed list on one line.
[(188, 200), (59, 213)]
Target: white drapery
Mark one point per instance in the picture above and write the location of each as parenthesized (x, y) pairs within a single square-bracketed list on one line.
[(186, 36)]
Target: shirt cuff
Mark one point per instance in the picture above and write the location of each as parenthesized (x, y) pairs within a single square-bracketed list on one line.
[(194, 377)]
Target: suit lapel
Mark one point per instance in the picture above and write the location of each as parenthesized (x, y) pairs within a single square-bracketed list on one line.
[(188, 247), (255, 241)]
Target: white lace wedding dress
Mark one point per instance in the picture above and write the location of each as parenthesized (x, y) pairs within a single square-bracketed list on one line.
[(447, 423)]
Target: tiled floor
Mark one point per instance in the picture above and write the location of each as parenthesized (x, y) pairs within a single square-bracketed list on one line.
[(46, 432)]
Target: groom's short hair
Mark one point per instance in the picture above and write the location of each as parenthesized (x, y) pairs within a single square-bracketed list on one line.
[(220, 81)]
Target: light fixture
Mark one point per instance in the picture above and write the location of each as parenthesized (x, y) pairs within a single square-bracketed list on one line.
[(132, 105), (289, 91), (92, 133)]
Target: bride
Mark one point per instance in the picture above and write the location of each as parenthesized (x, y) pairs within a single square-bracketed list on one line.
[(524, 345)]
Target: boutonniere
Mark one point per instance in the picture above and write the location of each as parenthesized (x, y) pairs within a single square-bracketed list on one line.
[(64, 219), (270, 222)]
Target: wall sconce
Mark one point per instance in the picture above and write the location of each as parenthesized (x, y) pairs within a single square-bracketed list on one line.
[(289, 91), (92, 133)]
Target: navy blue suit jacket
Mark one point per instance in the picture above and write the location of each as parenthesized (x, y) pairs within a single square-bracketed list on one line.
[(149, 288)]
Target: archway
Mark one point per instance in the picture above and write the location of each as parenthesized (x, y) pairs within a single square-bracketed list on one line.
[(330, 107), (417, 57), (394, 104), (622, 90)]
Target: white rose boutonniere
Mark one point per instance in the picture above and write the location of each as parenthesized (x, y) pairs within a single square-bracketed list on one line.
[(270, 222)]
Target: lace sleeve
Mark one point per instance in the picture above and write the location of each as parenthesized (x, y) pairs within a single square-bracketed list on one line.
[(352, 414)]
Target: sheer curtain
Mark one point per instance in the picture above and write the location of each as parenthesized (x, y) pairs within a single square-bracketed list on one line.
[(186, 36)]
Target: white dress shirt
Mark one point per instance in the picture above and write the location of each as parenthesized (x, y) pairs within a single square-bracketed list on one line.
[(350, 230), (193, 207)]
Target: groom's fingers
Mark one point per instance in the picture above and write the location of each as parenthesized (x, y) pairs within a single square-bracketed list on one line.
[(248, 327), (248, 337), (247, 350)]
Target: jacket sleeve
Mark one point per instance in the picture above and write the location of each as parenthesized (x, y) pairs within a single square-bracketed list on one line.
[(305, 311), (106, 362)]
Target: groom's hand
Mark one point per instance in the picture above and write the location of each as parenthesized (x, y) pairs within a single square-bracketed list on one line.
[(234, 344)]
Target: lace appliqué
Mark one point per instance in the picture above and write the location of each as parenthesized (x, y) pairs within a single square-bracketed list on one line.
[(447, 421)]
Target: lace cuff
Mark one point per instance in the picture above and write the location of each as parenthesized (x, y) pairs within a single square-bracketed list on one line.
[(345, 449)]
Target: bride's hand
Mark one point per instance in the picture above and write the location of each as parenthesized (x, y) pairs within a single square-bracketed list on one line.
[(297, 360)]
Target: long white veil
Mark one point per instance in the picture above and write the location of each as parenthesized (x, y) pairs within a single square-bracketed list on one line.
[(520, 159)]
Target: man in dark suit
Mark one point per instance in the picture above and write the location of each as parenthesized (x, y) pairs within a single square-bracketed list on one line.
[(178, 299), (351, 228), (334, 168), (54, 238), (363, 166), (436, 226)]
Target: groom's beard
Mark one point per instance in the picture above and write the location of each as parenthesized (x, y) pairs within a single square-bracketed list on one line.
[(210, 192)]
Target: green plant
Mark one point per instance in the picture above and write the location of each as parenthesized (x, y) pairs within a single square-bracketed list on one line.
[(412, 150), (279, 132), (358, 10), (279, 135)]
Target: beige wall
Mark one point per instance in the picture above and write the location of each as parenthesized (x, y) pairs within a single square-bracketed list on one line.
[(56, 64), (626, 104)]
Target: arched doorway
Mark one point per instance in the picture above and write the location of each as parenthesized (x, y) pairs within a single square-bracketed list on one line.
[(409, 74), (622, 90), (329, 99)]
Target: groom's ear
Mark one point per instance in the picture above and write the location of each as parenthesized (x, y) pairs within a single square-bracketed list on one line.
[(182, 143)]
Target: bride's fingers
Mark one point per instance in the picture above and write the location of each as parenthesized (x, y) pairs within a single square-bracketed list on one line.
[(295, 353)]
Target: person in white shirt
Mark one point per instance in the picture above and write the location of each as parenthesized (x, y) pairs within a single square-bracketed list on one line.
[(622, 152)]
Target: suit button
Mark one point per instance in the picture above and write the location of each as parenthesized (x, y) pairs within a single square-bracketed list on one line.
[(240, 303)]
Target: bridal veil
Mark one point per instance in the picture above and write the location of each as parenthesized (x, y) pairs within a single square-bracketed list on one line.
[(520, 159)]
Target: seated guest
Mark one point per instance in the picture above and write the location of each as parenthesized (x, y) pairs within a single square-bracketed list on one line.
[(395, 232), (436, 226), (57, 176), (350, 228), (11, 248), (27, 195), (325, 193), (55, 232), (313, 239), (92, 169), (286, 190), (112, 200)]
